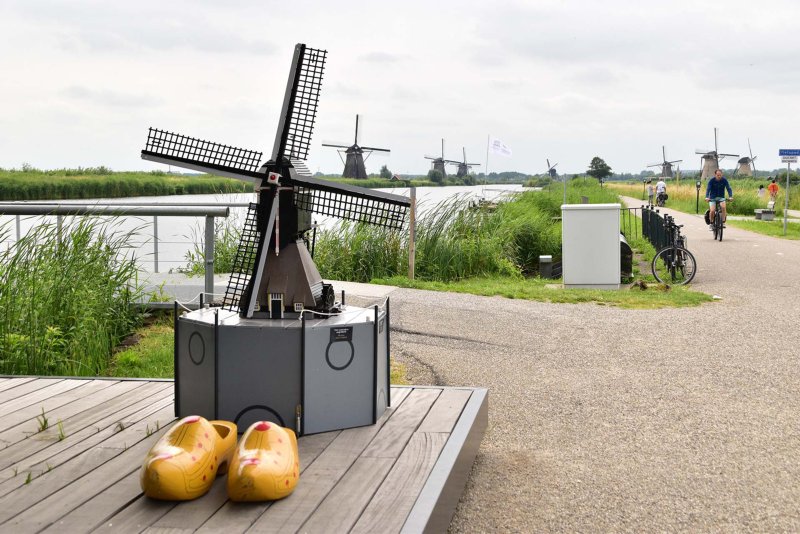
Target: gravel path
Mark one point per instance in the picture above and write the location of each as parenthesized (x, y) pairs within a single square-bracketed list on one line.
[(604, 419)]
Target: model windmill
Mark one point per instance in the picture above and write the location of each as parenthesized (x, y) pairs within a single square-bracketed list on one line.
[(747, 165), (666, 166), (355, 156), (259, 357), (438, 163), (710, 159), (463, 166)]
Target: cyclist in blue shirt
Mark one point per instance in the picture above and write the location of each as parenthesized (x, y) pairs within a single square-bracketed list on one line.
[(715, 195)]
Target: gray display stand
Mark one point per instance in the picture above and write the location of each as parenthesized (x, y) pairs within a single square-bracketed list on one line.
[(311, 375)]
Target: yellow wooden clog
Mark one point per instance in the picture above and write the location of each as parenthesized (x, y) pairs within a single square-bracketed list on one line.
[(183, 464), (266, 465)]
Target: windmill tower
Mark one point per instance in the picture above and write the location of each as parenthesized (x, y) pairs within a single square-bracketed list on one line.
[(355, 157), (710, 159), (747, 165), (280, 348), (438, 163), (666, 166), (463, 167)]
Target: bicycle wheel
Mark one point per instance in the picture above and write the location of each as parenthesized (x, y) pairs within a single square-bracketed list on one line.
[(716, 226), (674, 265), (721, 227)]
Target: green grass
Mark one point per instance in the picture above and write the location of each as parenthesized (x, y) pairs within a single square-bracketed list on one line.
[(771, 228), (65, 301), (34, 184), (453, 243), (683, 196), (655, 296)]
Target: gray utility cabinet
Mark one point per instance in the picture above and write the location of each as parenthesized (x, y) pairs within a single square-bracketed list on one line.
[(311, 375)]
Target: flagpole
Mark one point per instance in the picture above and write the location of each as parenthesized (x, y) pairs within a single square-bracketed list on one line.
[(486, 168)]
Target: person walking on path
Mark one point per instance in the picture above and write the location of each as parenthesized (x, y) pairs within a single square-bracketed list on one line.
[(773, 190), (650, 193), (715, 195), (761, 191), (661, 192)]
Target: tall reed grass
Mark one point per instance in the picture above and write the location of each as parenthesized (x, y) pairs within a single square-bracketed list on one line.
[(453, 243), (33, 184), (65, 300)]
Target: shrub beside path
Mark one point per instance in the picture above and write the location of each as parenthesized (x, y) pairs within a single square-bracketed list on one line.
[(604, 419)]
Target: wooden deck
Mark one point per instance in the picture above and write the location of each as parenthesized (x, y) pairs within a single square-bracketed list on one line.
[(81, 474)]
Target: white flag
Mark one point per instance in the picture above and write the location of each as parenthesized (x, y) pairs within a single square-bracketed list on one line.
[(499, 147)]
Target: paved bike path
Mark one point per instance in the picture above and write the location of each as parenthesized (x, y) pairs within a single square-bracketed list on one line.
[(604, 419)]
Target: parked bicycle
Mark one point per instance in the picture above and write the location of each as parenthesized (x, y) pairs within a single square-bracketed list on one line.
[(674, 264)]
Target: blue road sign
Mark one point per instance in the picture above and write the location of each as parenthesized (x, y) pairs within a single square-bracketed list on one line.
[(789, 151)]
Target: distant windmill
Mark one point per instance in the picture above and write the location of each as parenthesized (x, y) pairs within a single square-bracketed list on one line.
[(463, 167), (438, 162), (354, 157), (710, 159), (747, 165), (666, 166), (551, 170)]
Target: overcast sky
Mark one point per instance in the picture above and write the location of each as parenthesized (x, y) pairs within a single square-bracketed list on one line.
[(82, 80)]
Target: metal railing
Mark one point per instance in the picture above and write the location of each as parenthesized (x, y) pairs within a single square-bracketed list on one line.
[(631, 222), (210, 211)]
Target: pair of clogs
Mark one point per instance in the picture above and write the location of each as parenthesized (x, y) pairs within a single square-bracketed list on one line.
[(183, 464)]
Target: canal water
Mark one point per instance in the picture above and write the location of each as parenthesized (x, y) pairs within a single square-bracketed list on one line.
[(178, 236)]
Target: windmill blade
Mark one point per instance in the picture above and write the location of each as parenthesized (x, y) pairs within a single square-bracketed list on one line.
[(704, 152), (716, 147), (464, 150), (299, 111), (204, 156), (674, 161), (432, 157), (728, 155), (548, 164), (356, 138), (373, 149), (349, 202), (664, 152), (336, 145), (749, 148), (442, 147), (655, 165)]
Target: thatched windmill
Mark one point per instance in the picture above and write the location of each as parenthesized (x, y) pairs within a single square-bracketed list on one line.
[(710, 159), (666, 166), (438, 163), (463, 167), (354, 157), (747, 165)]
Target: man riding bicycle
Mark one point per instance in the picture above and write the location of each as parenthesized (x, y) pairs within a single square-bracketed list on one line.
[(715, 196)]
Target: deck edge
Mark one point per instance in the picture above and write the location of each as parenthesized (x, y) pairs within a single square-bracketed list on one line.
[(436, 503)]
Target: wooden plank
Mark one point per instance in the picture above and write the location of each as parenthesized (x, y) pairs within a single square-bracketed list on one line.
[(392, 439), (16, 382), (57, 492), (28, 388), (445, 411), (95, 393), (389, 508), (326, 471), (45, 448), (342, 507), (48, 407), (37, 397), (436, 504)]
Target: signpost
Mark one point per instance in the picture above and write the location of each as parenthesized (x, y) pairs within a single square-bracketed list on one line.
[(788, 156)]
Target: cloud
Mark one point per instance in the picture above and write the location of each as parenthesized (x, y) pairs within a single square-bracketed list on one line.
[(380, 57), (109, 98)]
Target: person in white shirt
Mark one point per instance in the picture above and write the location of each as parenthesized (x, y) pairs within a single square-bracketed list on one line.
[(661, 191)]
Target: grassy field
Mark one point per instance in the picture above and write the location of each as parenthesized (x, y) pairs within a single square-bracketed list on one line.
[(654, 296), (771, 228), (33, 184), (683, 197)]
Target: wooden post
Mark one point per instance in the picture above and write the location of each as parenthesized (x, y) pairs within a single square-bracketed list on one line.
[(412, 229)]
